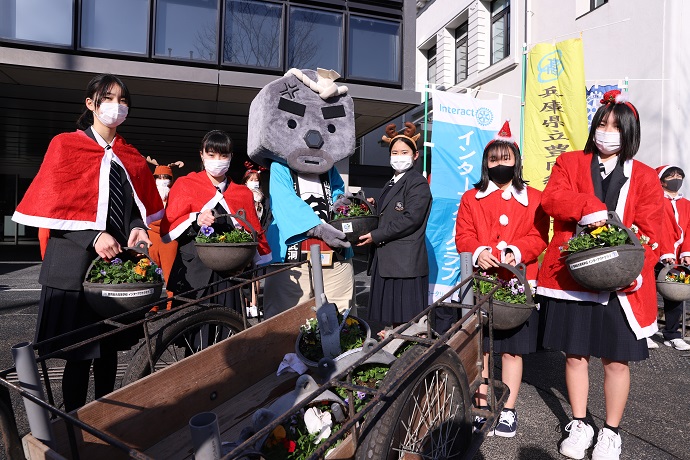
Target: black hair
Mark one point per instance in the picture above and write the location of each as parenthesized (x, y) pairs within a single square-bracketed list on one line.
[(628, 125), (518, 182), (406, 140), (217, 141), (96, 90), (670, 171)]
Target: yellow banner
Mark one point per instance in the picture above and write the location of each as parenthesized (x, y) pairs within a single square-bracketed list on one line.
[(555, 107)]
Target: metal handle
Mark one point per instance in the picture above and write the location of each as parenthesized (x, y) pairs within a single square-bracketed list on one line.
[(240, 215), (520, 272), (614, 220), (140, 246), (362, 199), (668, 267)]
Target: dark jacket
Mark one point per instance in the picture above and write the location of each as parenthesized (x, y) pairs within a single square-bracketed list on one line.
[(400, 237)]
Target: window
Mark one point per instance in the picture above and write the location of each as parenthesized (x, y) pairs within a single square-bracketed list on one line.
[(461, 53), (315, 39), (103, 29), (42, 21), (500, 30), (187, 29), (253, 34), (594, 4), (374, 49), (431, 65)]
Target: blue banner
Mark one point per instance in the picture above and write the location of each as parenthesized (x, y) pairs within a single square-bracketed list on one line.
[(462, 126), (594, 95)]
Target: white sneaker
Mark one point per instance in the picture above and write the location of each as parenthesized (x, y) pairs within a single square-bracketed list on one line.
[(578, 441), (608, 446), (678, 344), (651, 343)]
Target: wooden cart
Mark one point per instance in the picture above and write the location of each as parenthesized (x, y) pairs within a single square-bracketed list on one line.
[(233, 378)]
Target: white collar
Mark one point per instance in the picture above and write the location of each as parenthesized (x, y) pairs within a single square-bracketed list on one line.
[(397, 177), (520, 196), (223, 186), (102, 142), (678, 196)]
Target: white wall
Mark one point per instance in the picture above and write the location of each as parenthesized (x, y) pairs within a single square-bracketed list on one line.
[(639, 39)]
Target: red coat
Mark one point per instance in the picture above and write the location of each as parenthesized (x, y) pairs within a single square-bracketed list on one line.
[(568, 198), (499, 220), (65, 194), (194, 193), (676, 225)]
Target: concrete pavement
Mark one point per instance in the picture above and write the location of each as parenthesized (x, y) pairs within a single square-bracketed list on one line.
[(656, 424)]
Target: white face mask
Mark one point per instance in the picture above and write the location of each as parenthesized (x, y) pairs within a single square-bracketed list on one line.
[(608, 142), (401, 163), (163, 182), (163, 191), (112, 114), (217, 168), (253, 184)]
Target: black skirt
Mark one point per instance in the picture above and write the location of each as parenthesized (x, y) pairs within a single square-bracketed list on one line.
[(521, 340), (396, 300), (590, 329), (60, 312)]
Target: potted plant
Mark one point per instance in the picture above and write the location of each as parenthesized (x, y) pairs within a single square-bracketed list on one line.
[(606, 258), (123, 284), (513, 301), (673, 282), (226, 252), (356, 219), (353, 333)]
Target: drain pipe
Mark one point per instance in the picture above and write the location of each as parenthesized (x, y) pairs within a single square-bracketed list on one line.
[(27, 373)]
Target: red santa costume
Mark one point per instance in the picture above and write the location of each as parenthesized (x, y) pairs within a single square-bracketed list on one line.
[(498, 220), (673, 244), (59, 199), (569, 198), (189, 196)]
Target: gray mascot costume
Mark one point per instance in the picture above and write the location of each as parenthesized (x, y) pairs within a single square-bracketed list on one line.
[(299, 126)]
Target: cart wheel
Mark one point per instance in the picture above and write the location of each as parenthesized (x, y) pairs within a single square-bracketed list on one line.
[(427, 416), (181, 335)]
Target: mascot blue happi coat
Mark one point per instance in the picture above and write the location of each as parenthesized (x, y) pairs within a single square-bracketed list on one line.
[(299, 126)]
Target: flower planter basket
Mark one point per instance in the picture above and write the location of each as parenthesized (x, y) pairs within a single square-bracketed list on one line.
[(609, 268), (673, 290), (228, 258), (356, 226), (314, 364), (511, 315), (109, 300)]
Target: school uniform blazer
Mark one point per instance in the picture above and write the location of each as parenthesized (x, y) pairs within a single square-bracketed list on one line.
[(400, 236), (570, 197), (676, 224)]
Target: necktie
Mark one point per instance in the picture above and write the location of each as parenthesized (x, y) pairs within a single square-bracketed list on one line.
[(602, 169), (116, 203)]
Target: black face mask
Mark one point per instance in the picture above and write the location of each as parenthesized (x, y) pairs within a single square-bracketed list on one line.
[(501, 174), (673, 185)]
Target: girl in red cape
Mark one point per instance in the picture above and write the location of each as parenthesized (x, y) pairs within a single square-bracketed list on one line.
[(95, 194), (191, 203), (612, 326), (501, 221)]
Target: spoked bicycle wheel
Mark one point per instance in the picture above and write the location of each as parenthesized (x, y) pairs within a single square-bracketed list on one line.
[(426, 417), (182, 335)]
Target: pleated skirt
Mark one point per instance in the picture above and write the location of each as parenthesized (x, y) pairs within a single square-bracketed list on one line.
[(590, 329), (521, 340), (396, 300)]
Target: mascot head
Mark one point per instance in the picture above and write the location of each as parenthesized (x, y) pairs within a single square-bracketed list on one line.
[(303, 120)]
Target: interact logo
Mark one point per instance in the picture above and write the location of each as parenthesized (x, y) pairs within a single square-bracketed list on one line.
[(483, 115)]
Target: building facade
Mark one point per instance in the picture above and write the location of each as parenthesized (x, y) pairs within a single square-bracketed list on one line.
[(476, 46), (191, 65)]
